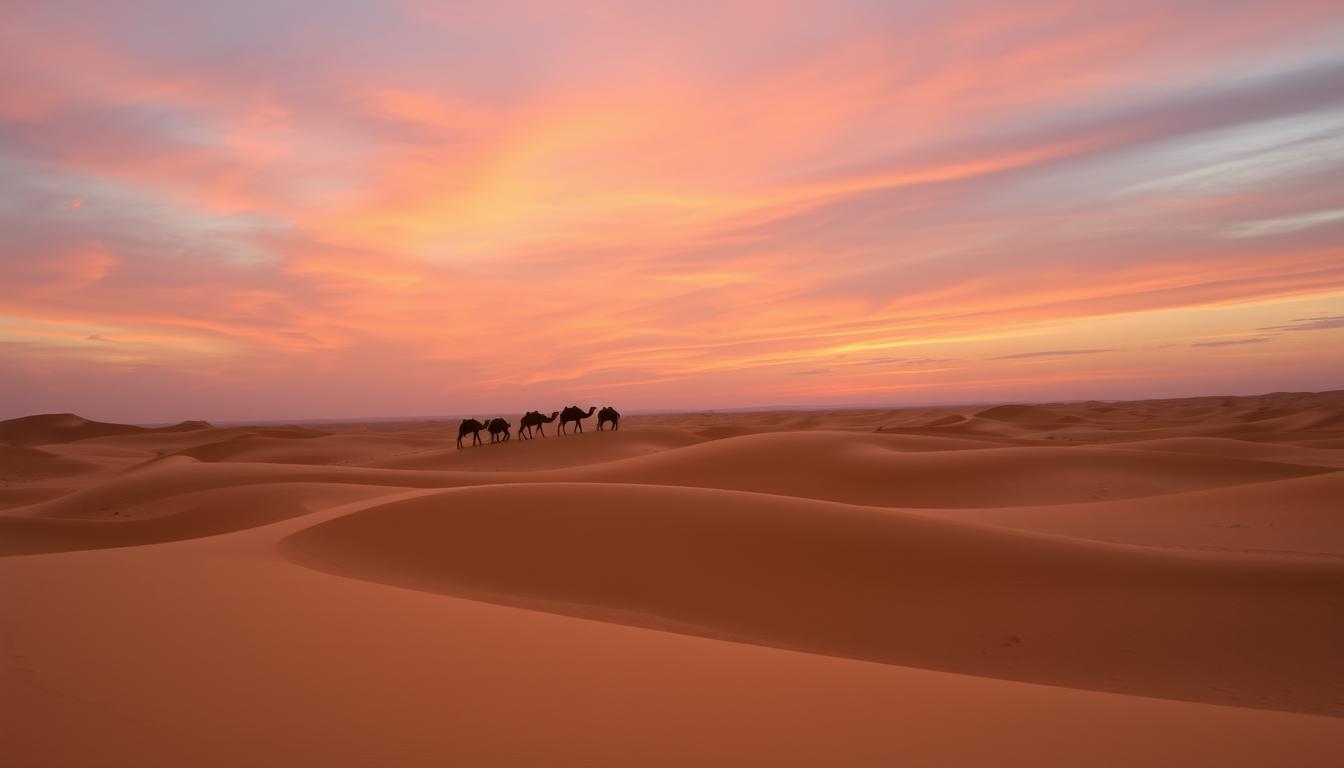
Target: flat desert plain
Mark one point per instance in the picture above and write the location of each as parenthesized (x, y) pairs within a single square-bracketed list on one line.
[(1133, 583)]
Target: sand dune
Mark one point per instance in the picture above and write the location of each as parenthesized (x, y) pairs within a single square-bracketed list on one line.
[(184, 516), (241, 658), (174, 476), (855, 587), (66, 427), (1242, 449), (876, 470), (20, 464), (874, 584), (880, 469), (1033, 415), (544, 453), (308, 449), (1299, 516)]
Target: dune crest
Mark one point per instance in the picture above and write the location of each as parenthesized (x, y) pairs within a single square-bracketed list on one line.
[(47, 428), (848, 587)]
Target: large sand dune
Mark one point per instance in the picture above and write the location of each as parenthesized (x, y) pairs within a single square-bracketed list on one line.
[(884, 585), (1156, 582)]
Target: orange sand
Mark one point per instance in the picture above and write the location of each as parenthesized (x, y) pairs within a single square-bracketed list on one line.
[(1156, 583)]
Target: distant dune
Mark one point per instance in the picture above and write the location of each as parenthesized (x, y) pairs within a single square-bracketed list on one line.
[(1153, 582), (50, 428)]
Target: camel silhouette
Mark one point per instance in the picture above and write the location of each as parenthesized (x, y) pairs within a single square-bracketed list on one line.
[(609, 414), (534, 419), (470, 427), (499, 430), (575, 414)]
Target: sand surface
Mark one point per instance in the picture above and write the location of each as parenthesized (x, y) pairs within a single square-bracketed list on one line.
[(1156, 582)]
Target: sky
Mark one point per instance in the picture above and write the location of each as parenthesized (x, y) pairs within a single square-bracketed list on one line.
[(330, 208)]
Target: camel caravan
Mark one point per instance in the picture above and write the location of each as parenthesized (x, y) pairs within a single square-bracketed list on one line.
[(533, 423)]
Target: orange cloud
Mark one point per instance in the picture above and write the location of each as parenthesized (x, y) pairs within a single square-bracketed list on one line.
[(521, 202)]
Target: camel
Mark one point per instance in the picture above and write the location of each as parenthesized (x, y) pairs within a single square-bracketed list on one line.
[(575, 414), (499, 430), (534, 419), (471, 427), (609, 414)]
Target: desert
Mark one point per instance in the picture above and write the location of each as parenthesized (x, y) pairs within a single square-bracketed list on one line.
[(1104, 583), (631, 384)]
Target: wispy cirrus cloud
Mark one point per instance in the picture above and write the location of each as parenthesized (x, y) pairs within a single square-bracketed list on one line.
[(418, 210), (1052, 353), (1310, 324), (1233, 342)]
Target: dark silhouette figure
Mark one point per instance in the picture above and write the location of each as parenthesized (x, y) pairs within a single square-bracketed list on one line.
[(470, 427), (499, 430), (534, 419), (609, 414), (575, 414)]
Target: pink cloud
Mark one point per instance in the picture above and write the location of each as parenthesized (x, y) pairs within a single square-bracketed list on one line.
[(521, 201)]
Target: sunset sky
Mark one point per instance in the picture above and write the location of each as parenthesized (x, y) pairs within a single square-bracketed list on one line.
[(328, 208)]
